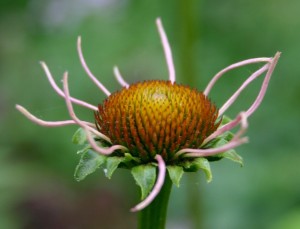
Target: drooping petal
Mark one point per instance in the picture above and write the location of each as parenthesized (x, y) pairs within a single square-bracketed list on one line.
[(72, 113), (41, 122), (230, 67), (60, 92), (240, 119), (212, 151), (231, 100), (269, 68), (264, 86), (88, 71), (119, 77), (101, 150), (157, 187), (167, 50), (234, 142)]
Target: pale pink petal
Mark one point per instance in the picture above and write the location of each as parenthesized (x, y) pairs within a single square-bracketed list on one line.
[(240, 119), (41, 122), (264, 86), (167, 50), (88, 71), (72, 113), (212, 151), (244, 125), (60, 92), (101, 150), (119, 78), (231, 100), (230, 67), (157, 187)]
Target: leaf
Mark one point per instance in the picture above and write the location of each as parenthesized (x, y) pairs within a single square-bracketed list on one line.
[(233, 156), (89, 162), (219, 141), (175, 173), (145, 176), (112, 164), (203, 164), (199, 163), (129, 161), (79, 137), (225, 120), (81, 151), (229, 154), (129, 157)]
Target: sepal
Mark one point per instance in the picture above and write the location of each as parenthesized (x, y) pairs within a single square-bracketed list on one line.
[(198, 163), (89, 162), (79, 137), (220, 141), (112, 164), (175, 173), (145, 176)]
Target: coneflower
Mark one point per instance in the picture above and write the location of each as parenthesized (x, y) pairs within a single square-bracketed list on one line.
[(157, 124)]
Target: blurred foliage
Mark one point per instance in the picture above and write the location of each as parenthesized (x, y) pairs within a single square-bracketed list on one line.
[(37, 164)]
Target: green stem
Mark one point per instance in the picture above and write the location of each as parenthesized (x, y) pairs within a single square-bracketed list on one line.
[(194, 202), (154, 216)]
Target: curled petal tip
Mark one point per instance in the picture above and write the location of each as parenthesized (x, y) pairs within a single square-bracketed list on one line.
[(134, 209), (88, 71), (115, 69), (24, 111), (167, 50), (45, 68), (278, 53), (41, 122), (157, 187), (19, 107), (276, 57), (119, 77), (79, 39)]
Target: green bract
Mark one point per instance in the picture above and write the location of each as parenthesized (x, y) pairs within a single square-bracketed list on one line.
[(145, 175)]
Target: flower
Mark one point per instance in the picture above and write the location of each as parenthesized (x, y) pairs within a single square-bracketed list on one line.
[(157, 117), (157, 123)]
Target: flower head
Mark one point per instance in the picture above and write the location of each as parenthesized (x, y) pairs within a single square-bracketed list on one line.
[(157, 117), (157, 123)]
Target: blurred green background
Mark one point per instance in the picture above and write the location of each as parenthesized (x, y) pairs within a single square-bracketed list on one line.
[(37, 189)]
